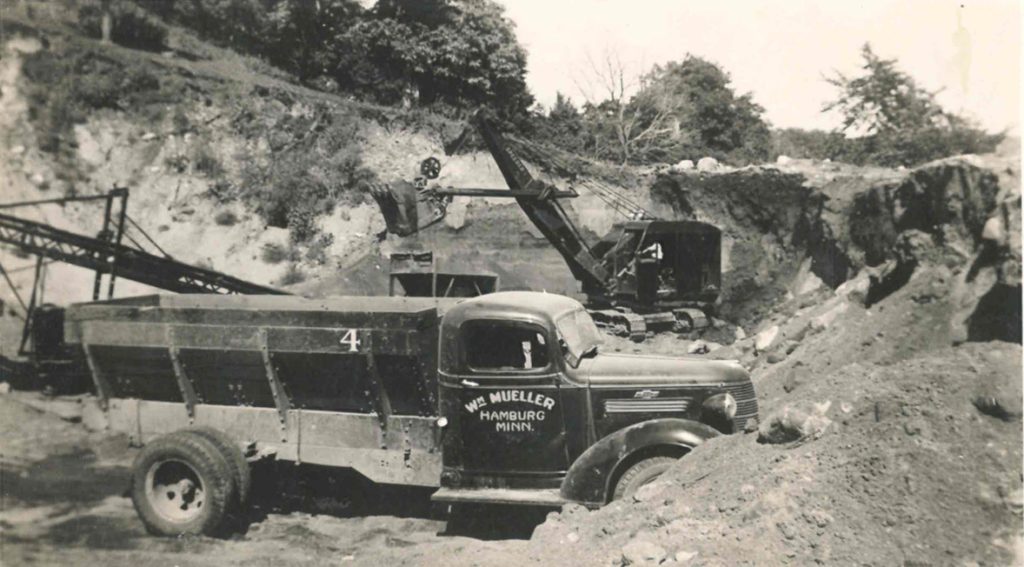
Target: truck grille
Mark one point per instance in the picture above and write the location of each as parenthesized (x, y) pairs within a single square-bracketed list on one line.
[(746, 403), (646, 406)]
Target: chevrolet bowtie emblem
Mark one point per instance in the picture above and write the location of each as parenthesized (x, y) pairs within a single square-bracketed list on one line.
[(646, 394)]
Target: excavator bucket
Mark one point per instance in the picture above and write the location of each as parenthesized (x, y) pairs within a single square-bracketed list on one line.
[(397, 202), (406, 208)]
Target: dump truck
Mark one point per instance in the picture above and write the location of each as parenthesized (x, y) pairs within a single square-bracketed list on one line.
[(506, 398)]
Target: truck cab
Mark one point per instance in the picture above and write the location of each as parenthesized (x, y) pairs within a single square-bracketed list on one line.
[(535, 411)]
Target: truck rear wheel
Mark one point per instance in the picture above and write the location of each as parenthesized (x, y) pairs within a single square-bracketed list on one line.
[(182, 484), (234, 457), (641, 473)]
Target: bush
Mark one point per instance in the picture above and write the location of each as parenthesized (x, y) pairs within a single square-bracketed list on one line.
[(66, 87), (293, 276), (310, 174), (205, 162), (317, 251), (273, 253)]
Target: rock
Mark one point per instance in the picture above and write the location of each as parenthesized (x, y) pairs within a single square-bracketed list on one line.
[(810, 284), (856, 289), (740, 334), (765, 338), (794, 423), (993, 230), (683, 556), (5, 388), (574, 509), (708, 164), (998, 406), (642, 552), (823, 321), (18, 150), (684, 165), (573, 537), (37, 179), (776, 356), (783, 160), (698, 347), (148, 136)]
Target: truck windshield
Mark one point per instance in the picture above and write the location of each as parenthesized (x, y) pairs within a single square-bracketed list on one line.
[(579, 335)]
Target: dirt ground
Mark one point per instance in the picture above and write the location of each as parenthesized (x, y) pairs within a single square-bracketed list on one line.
[(64, 502)]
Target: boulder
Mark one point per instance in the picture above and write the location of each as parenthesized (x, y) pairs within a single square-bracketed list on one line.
[(783, 160), (823, 321), (643, 552), (856, 288), (776, 356), (683, 556), (794, 422), (763, 341), (698, 347), (708, 164), (684, 165)]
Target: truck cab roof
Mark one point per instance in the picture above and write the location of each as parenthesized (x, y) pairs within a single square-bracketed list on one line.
[(539, 306)]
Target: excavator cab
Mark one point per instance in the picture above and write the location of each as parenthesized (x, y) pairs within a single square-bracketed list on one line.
[(665, 263)]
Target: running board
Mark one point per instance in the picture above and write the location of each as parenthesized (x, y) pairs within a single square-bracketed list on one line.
[(548, 497)]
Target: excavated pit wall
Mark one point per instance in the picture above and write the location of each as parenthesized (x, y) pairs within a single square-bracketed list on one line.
[(828, 221)]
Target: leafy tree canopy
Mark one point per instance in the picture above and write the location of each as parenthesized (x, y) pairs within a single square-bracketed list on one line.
[(447, 53), (895, 121)]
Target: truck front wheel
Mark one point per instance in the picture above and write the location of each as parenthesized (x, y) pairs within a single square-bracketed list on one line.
[(182, 484), (641, 473)]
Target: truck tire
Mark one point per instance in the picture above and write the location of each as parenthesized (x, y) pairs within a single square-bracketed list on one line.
[(182, 484), (235, 459), (639, 474)]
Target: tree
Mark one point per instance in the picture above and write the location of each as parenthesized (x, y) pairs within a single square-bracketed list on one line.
[(710, 117), (630, 118), (894, 121), (299, 34), (562, 125), (460, 53), (682, 109)]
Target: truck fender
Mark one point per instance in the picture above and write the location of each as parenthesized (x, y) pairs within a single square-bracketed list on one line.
[(589, 478)]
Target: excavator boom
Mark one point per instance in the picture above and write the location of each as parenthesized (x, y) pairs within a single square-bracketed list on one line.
[(538, 201)]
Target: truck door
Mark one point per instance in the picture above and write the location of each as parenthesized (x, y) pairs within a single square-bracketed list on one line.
[(509, 409)]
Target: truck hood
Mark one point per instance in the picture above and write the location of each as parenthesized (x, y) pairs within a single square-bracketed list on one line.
[(636, 370)]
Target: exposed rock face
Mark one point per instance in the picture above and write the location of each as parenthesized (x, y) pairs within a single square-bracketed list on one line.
[(847, 220)]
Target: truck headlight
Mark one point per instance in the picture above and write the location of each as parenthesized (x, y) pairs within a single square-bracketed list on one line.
[(719, 406)]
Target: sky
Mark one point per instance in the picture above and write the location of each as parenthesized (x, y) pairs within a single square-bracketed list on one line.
[(781, 50)]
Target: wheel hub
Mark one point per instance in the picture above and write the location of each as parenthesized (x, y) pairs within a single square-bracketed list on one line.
[(175, 490)]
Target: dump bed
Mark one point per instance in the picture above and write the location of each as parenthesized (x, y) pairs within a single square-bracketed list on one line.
[(233, 360)]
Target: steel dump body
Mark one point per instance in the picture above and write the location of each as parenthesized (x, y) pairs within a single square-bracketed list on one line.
[(340, 382)]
